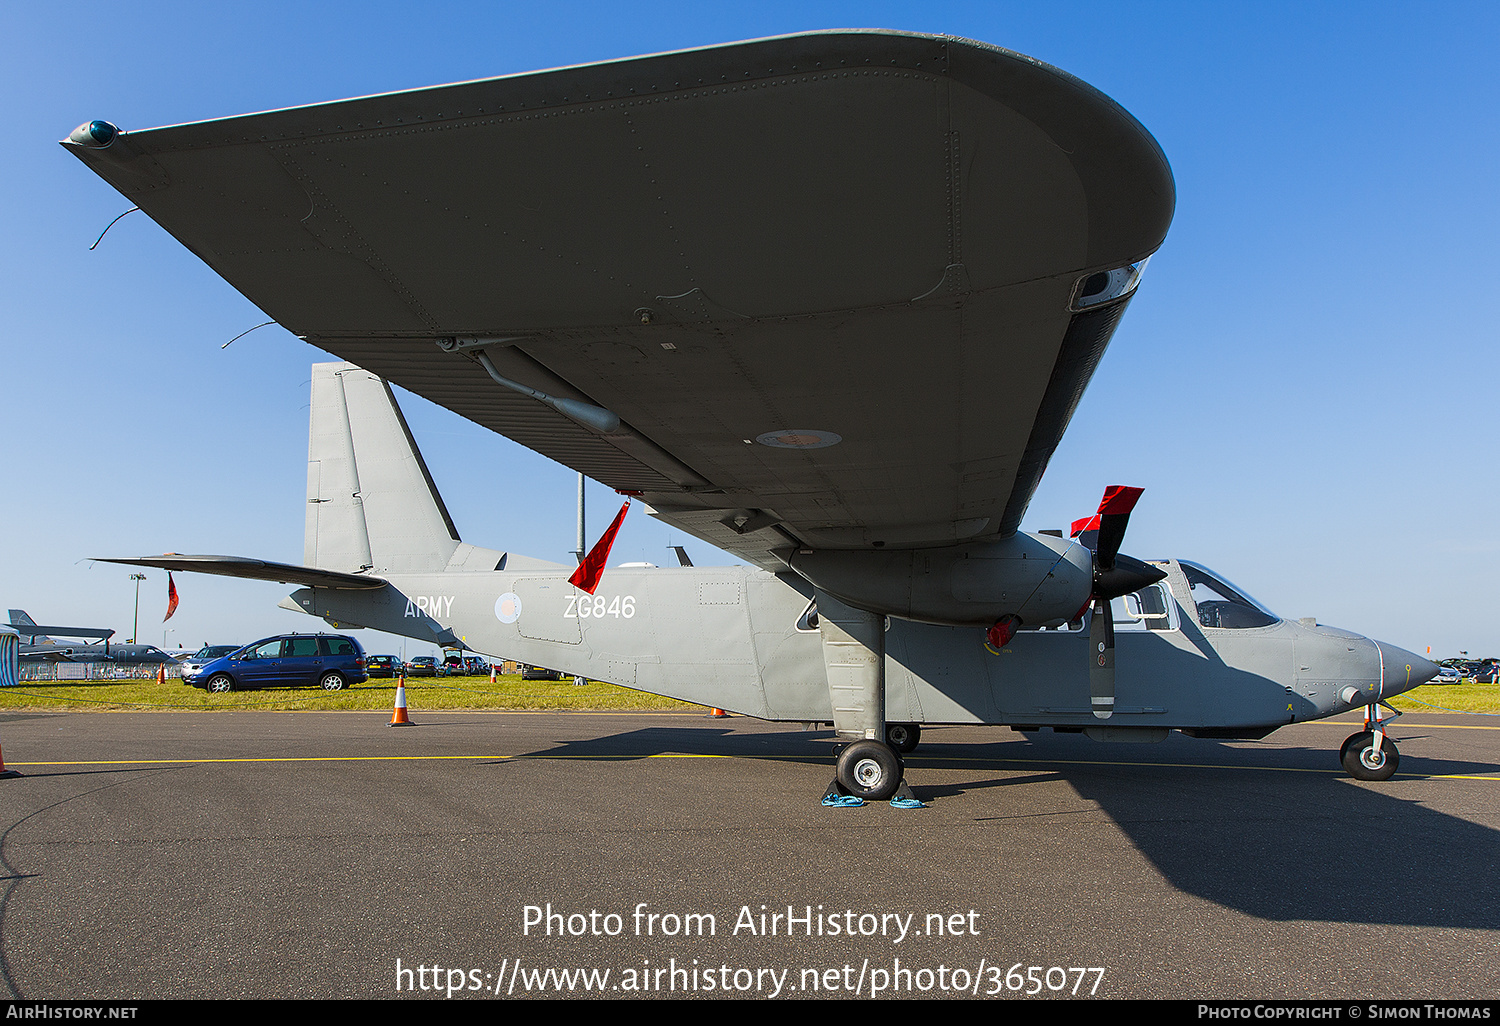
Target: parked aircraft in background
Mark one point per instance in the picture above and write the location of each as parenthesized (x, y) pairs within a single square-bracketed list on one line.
[(39, 645), (826, 301)]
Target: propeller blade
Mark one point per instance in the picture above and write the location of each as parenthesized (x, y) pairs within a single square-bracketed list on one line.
[(1114, 575), (1114, 514), (1102, 660)]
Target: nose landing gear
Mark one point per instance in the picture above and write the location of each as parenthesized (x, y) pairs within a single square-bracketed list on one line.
[(1370, 754)]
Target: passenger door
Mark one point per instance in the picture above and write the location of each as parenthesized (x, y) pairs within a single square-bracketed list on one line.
[(259, 666)]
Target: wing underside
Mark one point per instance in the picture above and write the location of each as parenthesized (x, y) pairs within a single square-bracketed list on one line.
[(829, 283)]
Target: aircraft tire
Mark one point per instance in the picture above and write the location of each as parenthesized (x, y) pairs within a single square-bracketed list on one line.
[(1363, 762), (220, 684), (870, 770), (903, 737), (332, 682)]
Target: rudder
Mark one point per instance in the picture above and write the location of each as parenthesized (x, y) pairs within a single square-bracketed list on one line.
[(371, 501)]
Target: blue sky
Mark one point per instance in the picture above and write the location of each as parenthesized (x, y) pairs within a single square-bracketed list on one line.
[(1305, 384)]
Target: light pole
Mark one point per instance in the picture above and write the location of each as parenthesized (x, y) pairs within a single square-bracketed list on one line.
[(135, 625)]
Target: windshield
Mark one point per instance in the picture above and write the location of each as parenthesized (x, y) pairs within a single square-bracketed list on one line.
[(1222, 605)]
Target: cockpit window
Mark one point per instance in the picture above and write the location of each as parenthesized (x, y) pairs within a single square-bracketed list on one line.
[(1220, 605)]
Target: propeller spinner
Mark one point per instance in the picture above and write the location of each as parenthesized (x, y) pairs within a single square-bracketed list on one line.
[(1114, 575)]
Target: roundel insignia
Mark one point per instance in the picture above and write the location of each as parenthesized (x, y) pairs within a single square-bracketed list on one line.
[(508, 607), (799, 438)]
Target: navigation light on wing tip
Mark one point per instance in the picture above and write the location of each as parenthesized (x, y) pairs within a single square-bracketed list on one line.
[(94, 134)]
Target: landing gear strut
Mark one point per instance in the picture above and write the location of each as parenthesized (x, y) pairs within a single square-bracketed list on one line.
[(870, 766)]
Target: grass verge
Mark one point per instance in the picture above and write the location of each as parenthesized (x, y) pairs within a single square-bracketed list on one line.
[(1469, 698), (508, 692)]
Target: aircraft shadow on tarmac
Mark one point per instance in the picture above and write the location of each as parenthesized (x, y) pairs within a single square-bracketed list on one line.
[(706, 740), (1283, 846), (1277, 845)]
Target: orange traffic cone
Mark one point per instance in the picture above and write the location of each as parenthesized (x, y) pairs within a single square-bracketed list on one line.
[(5, 772), (398, 715), (492, 673), (161, 673), (715, 714)]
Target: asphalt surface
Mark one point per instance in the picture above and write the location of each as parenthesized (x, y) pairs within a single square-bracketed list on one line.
[(275, 855)]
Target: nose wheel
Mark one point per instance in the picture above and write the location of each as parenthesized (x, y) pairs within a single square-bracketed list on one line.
[(1365, 758), (1370, 754)]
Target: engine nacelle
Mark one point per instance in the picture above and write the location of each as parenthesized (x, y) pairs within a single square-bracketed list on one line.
[(1037, 578)]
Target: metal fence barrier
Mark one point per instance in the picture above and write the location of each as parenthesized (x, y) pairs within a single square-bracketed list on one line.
[(60, 671)]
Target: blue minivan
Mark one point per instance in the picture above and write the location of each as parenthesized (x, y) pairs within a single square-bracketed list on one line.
[(329, 661)]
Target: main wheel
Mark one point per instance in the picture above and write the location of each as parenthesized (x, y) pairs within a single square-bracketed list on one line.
[(220, 684), (903, 737), (869, 770), (332, 682), (1364, 761)]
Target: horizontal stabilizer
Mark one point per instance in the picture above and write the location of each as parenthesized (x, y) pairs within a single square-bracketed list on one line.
[(257, 570), (33, 629)]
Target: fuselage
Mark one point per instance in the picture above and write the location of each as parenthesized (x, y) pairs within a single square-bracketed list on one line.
[(1192, 653)]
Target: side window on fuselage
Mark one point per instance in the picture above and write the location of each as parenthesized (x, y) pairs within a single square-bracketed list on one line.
[(1149, 609)]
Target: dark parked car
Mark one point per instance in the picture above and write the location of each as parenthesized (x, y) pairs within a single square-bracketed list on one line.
[(422, 666), (383, 666), (540, 673), (328, 661)]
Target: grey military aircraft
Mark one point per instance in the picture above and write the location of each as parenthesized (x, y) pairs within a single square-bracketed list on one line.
[(826, 301), (38, 644)]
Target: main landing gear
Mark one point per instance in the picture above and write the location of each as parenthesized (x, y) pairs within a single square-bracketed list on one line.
[(903, 737), (869, 766), (1370, 754), (871, 771)]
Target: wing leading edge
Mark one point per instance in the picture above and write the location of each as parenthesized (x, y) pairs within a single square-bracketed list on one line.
[(841, 290), (247, 568)]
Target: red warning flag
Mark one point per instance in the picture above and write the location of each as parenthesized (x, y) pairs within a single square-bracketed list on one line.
[(171, 598), (1118, 499), (591, 569)]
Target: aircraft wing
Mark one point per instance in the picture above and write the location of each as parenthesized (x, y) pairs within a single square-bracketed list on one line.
[(257, 570), (841, 289)]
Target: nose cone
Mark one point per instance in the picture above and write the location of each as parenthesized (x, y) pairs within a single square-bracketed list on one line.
[(1401, 670)]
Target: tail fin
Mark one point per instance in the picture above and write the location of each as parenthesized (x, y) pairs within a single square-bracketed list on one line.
[(370, 501), (19, 617)]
